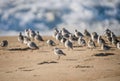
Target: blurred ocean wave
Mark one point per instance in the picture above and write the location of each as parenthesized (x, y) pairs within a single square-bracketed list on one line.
[(44, 15)]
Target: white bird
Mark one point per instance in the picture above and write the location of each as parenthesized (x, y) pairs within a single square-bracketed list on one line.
[(51, 43), (38, 37), (100, 41), (55, 32), (78, 34), (91, 44), (63, 40), (32, 34), (86, 33), (27, 33), (20, 37), (4, 43), (26, 39), (58, 52), (58, 36), (32, 45), (68, 44), (105, 48), (64, 31), (94, 36), (118, 45), (81, 41)]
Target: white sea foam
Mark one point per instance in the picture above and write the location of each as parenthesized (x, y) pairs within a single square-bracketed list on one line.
[(42, 15)]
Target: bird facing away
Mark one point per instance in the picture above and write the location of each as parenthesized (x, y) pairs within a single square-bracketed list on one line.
[(4, 43), (20, 37), (68, 44), (32, 45), (91, 44), (51, 43), (38, 37), (58, 52)]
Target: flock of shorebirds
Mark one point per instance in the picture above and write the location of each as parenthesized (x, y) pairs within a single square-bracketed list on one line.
[(67, 39)]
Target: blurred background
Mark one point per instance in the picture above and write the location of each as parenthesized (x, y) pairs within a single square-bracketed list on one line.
[(45, 15)]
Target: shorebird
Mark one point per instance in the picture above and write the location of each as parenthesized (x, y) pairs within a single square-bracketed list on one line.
[(58, 52), (58, 36), (38, 37), (86, 33), (25, 39), (20, 37), (100, 41), (32, 45), (55, 32), (107, 32), (94, 36), (32, 34), (118, 45), (91, 44), (68, 44), (27, 33), (63, 40), (4, 43), (64, 31), (78, 34), (81, 41), (51, 43), (115, 41), (105, 48)]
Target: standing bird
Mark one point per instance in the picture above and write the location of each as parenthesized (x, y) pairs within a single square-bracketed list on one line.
[(63, 40), (100, 41), (32, 45), (58, 36), (20, 37), (91, 44), (38, 37), (81, 41), (32, 34), (4, 43), (51, 43), (105, 48), (78, 34), (68, 44), (86, 33), (59, 52), (118, 45), (94, 36), (55, 32), (27, 33)]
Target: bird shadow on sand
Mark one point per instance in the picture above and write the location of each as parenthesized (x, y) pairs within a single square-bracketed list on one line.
[(46, 62), (19, 49), (104, 54)]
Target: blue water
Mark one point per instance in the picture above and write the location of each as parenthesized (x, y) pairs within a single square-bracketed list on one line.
[(44, 15)]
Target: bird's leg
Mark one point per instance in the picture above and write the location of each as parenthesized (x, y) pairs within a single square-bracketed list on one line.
[(58, 57)]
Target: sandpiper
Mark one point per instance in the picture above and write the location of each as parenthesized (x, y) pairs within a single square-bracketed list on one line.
[(4, 43), (20, 37), (68, 44), (58, 52), (38, 37), (51, 43)]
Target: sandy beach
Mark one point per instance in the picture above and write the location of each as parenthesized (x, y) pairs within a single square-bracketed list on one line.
[(19, 63)]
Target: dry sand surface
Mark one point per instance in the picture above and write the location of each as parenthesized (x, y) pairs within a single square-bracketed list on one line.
[(18, 63)]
